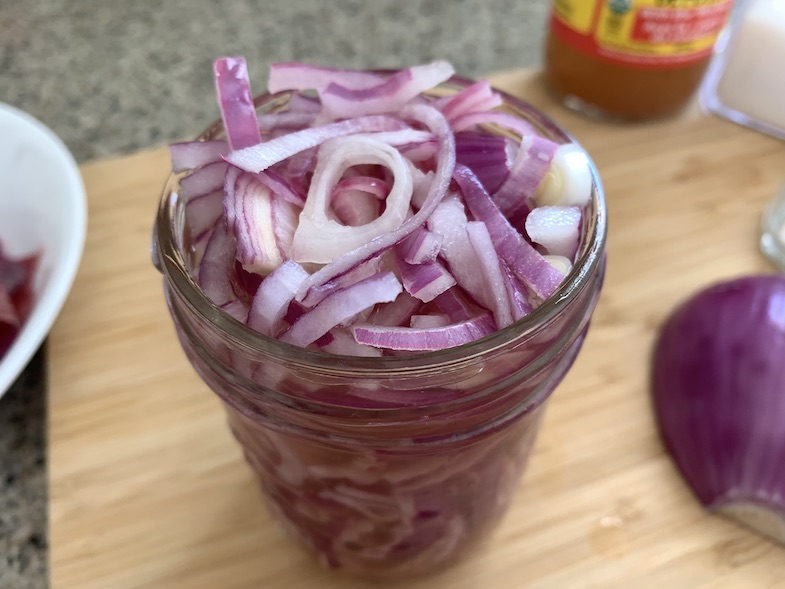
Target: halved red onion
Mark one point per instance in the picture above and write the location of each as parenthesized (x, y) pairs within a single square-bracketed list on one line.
[(319, 238), (273, 296), (490, 267), (340, 306), (526, 262), (557, 229), (260, 157), (417, 340), (388, 96), (189, 155), (236, 101), (300, 76)]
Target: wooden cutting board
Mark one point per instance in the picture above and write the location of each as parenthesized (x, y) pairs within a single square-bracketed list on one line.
[(148, 490)]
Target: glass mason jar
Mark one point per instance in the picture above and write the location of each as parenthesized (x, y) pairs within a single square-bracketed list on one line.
[(393, 466)]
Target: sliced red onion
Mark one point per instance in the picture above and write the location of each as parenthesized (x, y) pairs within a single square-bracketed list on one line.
[(502, 119), (273, 296), (420, 152), (396, 312), (260, 157), (216, 270), (189, 155), (557, 229), (421, 246), (456, 305), (449, 221), (477, 97), (343, 343), (285, 121), (520, 256), (569, 179), (491, 269), (203, 212), (340, 306), (300, 76), (420, 340), (429, 321), (356, 274), (281, 187), (514, 196), (425, 281), (319, 238), (388, 96), (445, 164), (517, 293), (490, 157), (203, 180), (284, 221), (250, 217), (355, 208), (236, 102), (421, 185), (370, 184)]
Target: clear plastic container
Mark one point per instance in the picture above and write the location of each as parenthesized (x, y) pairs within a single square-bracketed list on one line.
[(394, 466)]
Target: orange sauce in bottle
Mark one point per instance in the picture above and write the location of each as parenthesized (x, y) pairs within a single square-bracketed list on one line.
[(631, 59)]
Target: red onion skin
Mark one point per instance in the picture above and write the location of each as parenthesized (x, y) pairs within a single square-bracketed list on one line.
[(718, 383)]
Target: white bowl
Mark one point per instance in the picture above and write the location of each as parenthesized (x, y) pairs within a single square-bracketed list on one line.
[(42, 209)]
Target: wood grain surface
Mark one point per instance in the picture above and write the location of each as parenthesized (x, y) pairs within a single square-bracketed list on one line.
[(148, 490)]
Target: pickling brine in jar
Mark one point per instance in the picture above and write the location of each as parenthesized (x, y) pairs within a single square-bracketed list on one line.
[(631, 59)]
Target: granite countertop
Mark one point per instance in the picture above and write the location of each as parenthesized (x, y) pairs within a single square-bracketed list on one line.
[(111, 77)]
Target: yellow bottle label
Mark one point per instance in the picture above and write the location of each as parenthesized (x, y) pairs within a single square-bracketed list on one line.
[(655, 33)]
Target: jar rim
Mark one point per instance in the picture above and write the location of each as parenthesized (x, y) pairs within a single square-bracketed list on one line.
[(170, 261)]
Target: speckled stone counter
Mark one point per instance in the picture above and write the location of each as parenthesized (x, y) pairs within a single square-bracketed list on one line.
[(111, 77)]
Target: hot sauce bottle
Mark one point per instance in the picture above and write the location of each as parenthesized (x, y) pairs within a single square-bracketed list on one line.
[(631, 59)]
